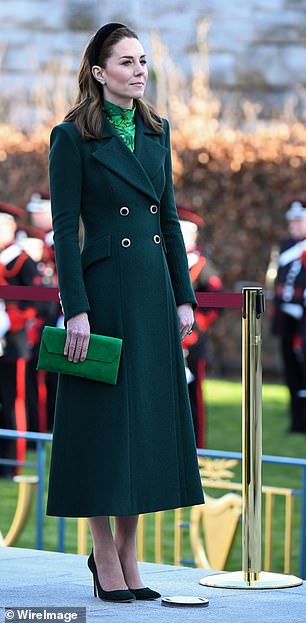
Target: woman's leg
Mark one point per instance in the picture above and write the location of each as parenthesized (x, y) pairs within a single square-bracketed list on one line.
[(106, 555), (125, 541)]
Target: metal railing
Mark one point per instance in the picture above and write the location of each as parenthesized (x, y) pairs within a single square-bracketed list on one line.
[(40, 468)]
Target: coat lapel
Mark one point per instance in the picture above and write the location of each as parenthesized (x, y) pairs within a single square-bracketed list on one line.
[(138, 168)]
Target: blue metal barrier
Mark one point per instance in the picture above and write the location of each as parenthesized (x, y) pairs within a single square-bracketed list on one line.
[(40, 464)]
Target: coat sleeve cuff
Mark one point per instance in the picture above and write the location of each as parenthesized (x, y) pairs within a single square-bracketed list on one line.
[(182, 300)]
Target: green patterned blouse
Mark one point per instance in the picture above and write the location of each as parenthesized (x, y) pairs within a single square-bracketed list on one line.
[(123, 121)]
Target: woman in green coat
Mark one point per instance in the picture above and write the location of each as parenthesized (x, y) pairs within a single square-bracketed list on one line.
[(130, 448)]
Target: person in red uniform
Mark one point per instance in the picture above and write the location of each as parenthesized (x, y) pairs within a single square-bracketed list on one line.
[(39, 211), (41, 385), (289, 312), (16, 268), (204, 279)]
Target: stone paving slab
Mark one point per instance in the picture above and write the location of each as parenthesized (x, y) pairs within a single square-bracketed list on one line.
[(30, 578)]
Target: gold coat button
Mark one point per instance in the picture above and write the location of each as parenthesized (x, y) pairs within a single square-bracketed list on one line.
[(153, 209), (124, 211), (156, 239), (126, 242)]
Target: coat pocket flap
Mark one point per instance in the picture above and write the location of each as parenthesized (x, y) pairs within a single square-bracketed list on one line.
[(96, 250), (101, 347)]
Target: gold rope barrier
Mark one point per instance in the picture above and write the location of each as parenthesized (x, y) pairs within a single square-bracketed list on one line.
[(251, 576)]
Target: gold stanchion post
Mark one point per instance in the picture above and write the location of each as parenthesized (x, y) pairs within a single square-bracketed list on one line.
[(251, 576)]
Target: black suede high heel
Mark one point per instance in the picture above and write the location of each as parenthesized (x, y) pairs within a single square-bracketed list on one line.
[(145, 593), (121, 595)]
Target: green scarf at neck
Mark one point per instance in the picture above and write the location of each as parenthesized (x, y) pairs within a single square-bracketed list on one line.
[(123, 121)]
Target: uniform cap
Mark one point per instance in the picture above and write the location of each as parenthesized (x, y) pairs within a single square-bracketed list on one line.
[(11, 210), (188, 215), (39, 202), (297, 211)]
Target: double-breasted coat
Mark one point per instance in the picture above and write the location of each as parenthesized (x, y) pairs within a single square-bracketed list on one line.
[(129, 448)]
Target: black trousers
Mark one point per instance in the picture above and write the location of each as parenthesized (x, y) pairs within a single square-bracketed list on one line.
[(295, 376), (7, 412), (32, 396)]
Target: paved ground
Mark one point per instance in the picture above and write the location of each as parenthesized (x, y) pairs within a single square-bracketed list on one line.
[(30, 578)]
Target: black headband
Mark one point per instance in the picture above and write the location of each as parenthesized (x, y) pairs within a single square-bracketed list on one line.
[(98, 41)]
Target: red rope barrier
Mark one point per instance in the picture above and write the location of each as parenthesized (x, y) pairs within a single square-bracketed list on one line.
[(41, 293), (219, 299), (29, 293)]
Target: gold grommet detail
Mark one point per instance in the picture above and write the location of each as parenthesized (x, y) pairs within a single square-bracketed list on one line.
[(156, 239), (153, 209), (124, 211), (126, 242)]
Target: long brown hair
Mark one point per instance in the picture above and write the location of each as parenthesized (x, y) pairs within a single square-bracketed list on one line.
[(86, 113)]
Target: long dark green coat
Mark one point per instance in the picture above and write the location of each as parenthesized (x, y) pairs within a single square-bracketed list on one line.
[(129, 448)]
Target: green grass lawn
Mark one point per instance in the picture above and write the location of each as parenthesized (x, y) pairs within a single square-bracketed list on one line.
[(223, 399)]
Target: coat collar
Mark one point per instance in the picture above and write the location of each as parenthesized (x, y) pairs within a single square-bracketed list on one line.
[(138, 167)]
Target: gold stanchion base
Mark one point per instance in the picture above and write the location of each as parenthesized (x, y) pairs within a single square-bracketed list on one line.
[(263, 580)]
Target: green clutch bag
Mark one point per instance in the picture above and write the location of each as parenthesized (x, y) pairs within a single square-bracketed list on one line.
[(101, 363)]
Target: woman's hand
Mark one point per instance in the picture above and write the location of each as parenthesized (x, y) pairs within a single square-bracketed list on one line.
[(185, 318), (78, 334)]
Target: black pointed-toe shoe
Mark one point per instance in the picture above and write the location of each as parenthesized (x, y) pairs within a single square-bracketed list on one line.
[(145, 593), (121, 595)]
